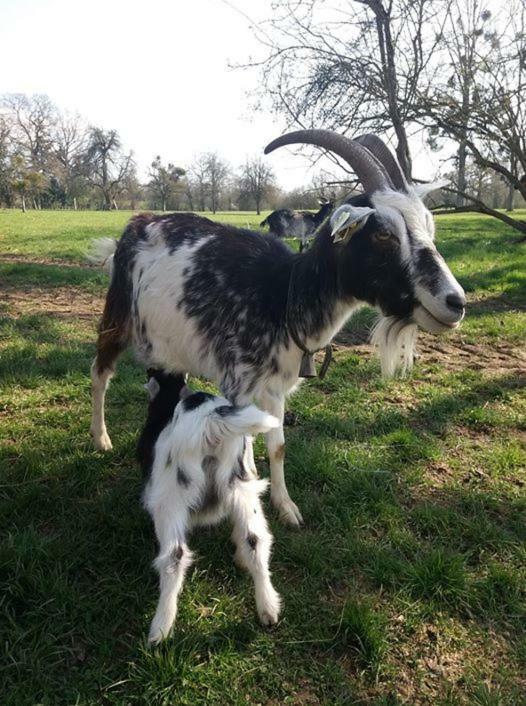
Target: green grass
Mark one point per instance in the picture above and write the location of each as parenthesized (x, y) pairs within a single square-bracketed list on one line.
[(406, 585)]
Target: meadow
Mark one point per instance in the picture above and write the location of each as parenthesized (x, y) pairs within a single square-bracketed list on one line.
[(406, 584)]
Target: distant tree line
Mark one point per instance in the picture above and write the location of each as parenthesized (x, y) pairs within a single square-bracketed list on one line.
[(53, 159)]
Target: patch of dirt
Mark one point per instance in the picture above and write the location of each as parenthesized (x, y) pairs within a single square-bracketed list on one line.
[(61, 302), (32, 260), (452, 354)]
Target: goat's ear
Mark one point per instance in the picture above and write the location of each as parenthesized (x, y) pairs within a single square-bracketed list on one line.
[(152, 387), (240, 421), (348, 220), (424, 190)]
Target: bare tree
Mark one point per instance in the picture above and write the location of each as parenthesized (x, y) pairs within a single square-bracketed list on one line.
[(256, 179), (199, 186), (33, 119), (6, 170), (209, 174), (107, 166), (163, 180), (479, 101), (217, 171), (354, 66), (70, 145)]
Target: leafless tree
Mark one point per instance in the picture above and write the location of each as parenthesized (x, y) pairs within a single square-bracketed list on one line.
[(6, 175), (354, 66), (70, 145), (163, 180), (209, 174), (256, 179), (479, 101), (33, 122), (217, 172), (107, 165)]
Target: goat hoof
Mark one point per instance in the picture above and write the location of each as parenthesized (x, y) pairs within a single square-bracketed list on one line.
[(102, 442), (269, 615), (289, 513), (268, 619), (157, 634)]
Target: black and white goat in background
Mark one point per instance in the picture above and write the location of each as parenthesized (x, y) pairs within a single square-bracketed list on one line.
[(192, 456), (296, 224), (241, 308)]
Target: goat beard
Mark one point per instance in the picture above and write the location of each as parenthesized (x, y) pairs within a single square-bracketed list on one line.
[(394, 340)]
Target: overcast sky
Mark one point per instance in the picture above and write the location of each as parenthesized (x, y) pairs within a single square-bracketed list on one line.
[(156, 71)]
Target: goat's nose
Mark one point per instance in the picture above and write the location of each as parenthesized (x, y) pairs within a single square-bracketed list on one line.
[(457, 302)]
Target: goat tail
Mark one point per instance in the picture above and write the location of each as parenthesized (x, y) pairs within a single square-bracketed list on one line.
[(101, 253)]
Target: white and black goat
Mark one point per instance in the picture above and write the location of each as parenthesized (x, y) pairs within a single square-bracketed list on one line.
[(286, 223), (242, 309), (192, 453)]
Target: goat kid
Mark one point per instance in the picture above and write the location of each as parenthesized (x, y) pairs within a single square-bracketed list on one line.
[(192, 453), (240, 308)]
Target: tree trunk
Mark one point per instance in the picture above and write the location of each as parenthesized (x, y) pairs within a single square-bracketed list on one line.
[(23, 203), (511, 188), (74, 203), (387, 53), (461, 172)]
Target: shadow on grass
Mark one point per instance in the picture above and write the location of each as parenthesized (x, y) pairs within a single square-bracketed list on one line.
[(79, 588), (27, 274)]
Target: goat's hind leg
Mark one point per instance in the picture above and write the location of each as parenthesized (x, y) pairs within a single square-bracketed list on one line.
[(253, 543), (109, 347), (172, 562)]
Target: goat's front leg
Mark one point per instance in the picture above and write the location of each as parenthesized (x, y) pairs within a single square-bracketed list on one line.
[(275, 439), (253, 543), (172, 562)]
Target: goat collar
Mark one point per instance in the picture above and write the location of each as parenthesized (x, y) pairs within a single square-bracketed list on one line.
[(307, 367)]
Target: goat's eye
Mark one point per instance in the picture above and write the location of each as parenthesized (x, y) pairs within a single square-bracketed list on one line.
[(383, 235)]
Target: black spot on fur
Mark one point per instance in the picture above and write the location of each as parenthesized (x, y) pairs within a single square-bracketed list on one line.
[(176, 555), (160, 412), (182, 478), (169, 459), (196, 400), (252, 541), (210, 497), (239, 471), (227, 410)]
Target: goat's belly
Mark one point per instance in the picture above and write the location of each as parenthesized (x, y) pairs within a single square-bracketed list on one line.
[(163, 335)]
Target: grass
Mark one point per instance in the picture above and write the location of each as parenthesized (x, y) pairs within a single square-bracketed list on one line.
[(406, 585)]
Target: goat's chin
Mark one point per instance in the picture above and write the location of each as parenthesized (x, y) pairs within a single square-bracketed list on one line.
[(425, 319), (394, 340)]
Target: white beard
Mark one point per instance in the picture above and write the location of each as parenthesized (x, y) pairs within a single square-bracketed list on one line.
[(394, 340)]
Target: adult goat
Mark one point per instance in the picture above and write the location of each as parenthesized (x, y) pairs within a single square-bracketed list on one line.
[(297, 224), (241, 308)]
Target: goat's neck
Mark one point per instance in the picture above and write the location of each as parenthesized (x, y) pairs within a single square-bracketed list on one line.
[(317, 306)]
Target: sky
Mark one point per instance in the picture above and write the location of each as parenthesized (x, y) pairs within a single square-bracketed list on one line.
[(158, 72)]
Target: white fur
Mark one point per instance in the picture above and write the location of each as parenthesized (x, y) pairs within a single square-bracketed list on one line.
[(183, 445), (394, 341), (101, 253)]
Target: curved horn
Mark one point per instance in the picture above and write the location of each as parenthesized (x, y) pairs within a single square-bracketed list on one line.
[(384, 155), (367, 167)]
